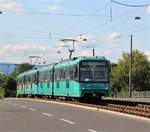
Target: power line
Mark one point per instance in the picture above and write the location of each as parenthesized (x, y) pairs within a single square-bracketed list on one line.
[(28, 37), (117, 18), (124, 4), (60, 14), (77, 24), (140, 29), (56, 14), (105, 23)]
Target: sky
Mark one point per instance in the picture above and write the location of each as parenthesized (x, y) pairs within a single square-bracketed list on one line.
[(36, 28)]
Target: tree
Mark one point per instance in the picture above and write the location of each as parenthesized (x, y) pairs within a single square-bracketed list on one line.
[(140, 73), (10, 89), (21, 68), (3, 83)]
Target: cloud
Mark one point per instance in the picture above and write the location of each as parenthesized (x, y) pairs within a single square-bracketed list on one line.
[(53, 8), (84, 53), (11, 5), (85, 39), (147, 53), (148, 9), (58, 0), (21, 52), (113, 37), (108, 53), (18, 48)]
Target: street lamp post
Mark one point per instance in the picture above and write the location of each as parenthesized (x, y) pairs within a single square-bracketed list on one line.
[(131, 56), (130, 70)]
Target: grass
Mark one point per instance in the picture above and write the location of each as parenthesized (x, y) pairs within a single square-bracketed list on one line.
[(1, 93)]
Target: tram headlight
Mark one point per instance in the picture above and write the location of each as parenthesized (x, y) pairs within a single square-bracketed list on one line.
[(83, 88)]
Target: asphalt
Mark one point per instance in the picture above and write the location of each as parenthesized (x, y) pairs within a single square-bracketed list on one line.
[(21, 115)]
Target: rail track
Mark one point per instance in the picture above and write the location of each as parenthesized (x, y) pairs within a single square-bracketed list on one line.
[(135, 108), (132, 108)]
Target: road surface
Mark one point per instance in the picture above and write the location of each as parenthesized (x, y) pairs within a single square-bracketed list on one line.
[(25, 115)]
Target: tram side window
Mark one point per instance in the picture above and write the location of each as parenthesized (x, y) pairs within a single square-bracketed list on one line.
[(74, 72), (36, 77), (57, 75), (62, 74), (44, 74), (50, 75), (28, 79), (32, 78), (24, 79), (67, 71), (40, 77), (20, 80)]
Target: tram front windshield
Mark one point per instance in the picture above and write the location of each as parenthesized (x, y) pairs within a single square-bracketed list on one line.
[(94, 71)]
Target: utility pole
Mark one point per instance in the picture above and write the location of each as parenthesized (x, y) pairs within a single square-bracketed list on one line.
[(93, 52), (110, 4), (130, 69)]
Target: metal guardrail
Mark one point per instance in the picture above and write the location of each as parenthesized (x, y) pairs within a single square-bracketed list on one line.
[(139, 94), (135, 94)]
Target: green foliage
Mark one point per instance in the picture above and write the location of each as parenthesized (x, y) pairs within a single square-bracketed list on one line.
[(3, 80), (10, 84), (3, 83), (21, 68), (1, 92), (140, 73), (10, 89)]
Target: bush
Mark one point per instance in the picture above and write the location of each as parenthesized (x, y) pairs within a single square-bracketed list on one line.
[(1, 92)]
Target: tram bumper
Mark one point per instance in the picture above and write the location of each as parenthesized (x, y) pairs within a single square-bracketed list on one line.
[(95, 90)]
